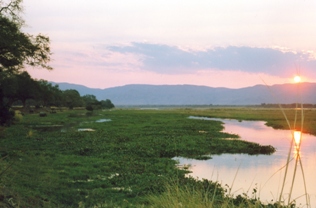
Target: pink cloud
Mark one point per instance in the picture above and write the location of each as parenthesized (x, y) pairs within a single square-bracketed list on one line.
[(98, 67)]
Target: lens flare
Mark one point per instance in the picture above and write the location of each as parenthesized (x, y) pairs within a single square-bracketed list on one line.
[(297, 79)]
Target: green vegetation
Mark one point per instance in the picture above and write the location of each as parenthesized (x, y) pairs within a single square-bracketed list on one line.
[(273, 116), (19, 50), (45, 161), (204, 195), (125, 161), (21, 90)]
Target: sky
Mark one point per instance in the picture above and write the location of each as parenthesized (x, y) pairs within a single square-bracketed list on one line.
[(217, 43)]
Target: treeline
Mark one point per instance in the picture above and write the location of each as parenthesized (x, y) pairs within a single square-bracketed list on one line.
[(291, 105), (22, 90)]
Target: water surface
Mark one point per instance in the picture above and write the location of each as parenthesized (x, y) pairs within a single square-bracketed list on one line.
[(242, 172)]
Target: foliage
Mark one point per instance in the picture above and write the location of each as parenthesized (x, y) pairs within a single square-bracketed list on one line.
[(49, 95), (72, 99), (120, 163), (17, 49), (27, 88), (107, 104), (203, 194), (6, 115), (89, 99), (89, 108), (91, 102)]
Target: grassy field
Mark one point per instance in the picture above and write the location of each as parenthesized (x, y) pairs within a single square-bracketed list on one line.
[(126, 161)]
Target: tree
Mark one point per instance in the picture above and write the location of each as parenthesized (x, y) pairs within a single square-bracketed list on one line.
[(27, 88), (17, 49), (91, 102), (48, 94), (89, 99), (107, 104), (72, 99)]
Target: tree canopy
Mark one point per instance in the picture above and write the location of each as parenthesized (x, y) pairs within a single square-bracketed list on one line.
[(17, 50), (72, 99), (107, 104)]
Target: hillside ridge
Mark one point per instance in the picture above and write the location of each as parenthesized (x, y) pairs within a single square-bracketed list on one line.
[(146, 94)]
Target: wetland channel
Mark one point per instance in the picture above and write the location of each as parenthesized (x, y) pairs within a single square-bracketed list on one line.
[(243, 173)]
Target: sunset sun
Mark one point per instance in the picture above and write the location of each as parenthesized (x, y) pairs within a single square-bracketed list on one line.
[(297, 79)]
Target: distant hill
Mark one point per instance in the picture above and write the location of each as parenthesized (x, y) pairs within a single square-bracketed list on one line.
[(139, 94)]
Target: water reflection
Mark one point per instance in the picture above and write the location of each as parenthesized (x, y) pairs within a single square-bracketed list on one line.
[(297, 135), (297, 138), (103, 120), (264, 172)]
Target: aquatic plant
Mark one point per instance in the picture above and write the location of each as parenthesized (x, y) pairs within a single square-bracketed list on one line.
[(120, 163)]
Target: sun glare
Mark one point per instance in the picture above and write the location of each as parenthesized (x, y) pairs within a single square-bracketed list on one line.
[(297, 79), (297, 137)]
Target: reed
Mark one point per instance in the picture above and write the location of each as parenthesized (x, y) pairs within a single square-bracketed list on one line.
[(299, 109), (183, 196)]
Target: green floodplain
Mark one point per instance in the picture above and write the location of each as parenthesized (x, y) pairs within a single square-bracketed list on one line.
[(123, 157)]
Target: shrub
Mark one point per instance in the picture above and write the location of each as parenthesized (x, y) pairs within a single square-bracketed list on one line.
[(6, 115), (89, 108), (18, 116)]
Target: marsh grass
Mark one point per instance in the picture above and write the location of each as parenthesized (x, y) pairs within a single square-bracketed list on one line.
[(176, 196), (123, 161), (209, 196)]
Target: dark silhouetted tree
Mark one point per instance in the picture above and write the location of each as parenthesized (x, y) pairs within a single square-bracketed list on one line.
[(27, 88), (89, 99), (107, 104), (49, 95), (72, 99), (17, 49)]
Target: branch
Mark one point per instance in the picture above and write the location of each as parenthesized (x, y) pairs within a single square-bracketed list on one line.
[(12, 9), (7, 7)]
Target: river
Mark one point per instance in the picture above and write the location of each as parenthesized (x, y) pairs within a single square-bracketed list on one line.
[(243, 173)]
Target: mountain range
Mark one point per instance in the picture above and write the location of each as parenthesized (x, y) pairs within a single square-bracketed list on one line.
[(140, 94)]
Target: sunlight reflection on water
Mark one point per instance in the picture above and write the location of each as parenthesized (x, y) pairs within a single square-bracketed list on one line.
[(263, 172)]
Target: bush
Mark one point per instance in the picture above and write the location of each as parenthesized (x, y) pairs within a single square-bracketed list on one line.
[(6, 116), (18, 116), (89, 108)]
